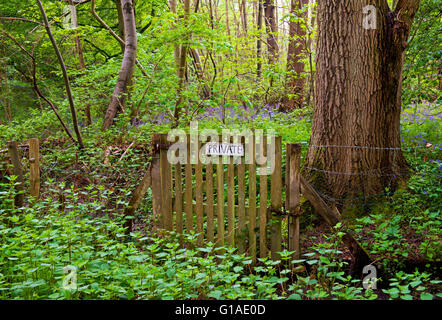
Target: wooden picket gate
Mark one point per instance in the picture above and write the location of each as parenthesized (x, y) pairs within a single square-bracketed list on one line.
[(211, 198)]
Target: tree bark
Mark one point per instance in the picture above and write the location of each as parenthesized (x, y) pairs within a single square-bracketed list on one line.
[(14, 155), (271, 26), (4, 79), (120, 22), (116, 36), (79, 50), (176, 47), (127, 66), (358, 98), (295, 67), (182, 62), (258, 41), (243, 7)]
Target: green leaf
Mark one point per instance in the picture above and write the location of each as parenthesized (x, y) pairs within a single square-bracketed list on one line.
[(215, 294), (426, 296)]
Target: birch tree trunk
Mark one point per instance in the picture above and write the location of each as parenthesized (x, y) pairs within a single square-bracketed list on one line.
[(127, 66)]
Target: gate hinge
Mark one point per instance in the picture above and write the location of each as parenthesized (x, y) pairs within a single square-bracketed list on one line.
[(284, 213)]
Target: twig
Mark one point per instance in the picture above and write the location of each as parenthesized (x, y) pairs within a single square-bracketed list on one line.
[(122, 156)]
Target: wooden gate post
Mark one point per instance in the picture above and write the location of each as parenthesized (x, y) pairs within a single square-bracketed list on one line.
[(276, 200), (156, 181), (34, 165), (293, 196), (166, 186), (17, 171)]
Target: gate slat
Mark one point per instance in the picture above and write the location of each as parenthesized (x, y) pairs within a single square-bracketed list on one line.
[(241, 206), (230, 202), (263, 249), (166, 187), (199, 199), (252, 201), (179, 198), (210, 199), (293, 189), (188, 194), (220, 201)]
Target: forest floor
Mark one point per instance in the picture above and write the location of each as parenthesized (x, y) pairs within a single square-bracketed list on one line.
[(401, 231)]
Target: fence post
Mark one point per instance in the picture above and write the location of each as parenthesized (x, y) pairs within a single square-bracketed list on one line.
[(34, 165), (166, 187), (156, 180), (276, 200), (17, 171), (293, 196)]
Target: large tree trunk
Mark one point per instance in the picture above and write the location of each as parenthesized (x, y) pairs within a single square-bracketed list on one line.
[(295, 66), (127, 66), (358, 98)]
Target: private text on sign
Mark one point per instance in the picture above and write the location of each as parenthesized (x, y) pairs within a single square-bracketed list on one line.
[(224, 149)]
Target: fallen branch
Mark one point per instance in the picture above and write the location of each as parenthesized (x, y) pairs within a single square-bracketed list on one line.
[(360, 256), (136, 199)]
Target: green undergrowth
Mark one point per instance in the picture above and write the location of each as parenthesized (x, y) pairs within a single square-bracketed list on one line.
[(42, 239)]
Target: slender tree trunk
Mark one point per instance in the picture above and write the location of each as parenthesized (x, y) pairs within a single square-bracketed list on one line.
[(258, 41), (271, 25), (295, 67), (79, 51), (227, 17), (4, 81), (244, 16), (127, 66), (78, 47), (120, 22), (200, 72), (173, 9), (182, 62), (65, 76), (358, 98)]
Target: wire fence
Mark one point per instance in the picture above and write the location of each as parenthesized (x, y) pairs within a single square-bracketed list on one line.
[(391, 172)]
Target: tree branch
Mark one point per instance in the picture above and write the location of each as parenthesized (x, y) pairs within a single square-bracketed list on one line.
[(36, 88), (406, 10), (65, 75)]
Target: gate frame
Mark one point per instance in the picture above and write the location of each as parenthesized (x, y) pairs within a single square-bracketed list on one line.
[(190, 202)]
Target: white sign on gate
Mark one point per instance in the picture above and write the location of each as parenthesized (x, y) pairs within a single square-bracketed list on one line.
[(224, 149)]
